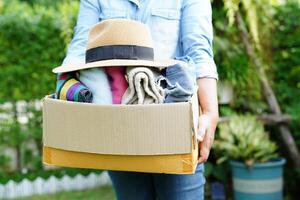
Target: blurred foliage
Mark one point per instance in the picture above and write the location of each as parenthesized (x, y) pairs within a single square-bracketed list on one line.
[(34, 41), (244, 139), (217, 172), (286, 60), (233, 63), (32, 175), (278, 45), (286, 74)]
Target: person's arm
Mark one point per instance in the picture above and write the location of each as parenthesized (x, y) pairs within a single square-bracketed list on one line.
[(196, 39), (88, 16), (207, 94)]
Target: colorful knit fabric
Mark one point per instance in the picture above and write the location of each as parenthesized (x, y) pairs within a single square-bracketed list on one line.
[(70, 89)]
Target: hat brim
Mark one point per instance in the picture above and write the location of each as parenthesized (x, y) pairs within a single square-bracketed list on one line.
[(116, 62)]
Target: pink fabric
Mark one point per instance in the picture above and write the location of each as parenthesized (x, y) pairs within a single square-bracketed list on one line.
[(117, 81)]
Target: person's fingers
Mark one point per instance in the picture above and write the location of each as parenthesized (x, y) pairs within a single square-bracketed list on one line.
[(205, 146), (204, 152)]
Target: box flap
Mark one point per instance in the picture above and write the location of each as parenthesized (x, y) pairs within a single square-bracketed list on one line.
[(118, 129)]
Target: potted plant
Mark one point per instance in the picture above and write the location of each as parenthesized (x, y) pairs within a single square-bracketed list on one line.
[(257, 169)]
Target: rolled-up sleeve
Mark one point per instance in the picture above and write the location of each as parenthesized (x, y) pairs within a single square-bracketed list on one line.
[(88, 16), (197, 35)]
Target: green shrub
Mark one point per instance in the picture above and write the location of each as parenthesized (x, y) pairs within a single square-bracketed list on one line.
[(32, 43), (33, 38)]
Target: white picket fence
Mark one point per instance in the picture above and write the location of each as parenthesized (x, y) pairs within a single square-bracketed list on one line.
[(40, 186)]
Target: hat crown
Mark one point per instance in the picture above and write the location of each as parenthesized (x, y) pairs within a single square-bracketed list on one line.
[(117, 42), (119, 32)]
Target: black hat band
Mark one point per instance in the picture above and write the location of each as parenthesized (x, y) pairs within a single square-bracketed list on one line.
[(130, 52)]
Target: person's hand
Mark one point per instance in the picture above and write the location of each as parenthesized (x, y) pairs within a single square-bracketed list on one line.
[(205, 136)]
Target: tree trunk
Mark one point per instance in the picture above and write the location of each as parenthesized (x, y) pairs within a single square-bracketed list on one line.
[(269, 95)]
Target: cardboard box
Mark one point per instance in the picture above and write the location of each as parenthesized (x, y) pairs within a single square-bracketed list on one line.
[(158, 138)]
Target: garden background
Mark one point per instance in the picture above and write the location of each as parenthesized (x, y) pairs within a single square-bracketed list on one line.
[(34, 36)]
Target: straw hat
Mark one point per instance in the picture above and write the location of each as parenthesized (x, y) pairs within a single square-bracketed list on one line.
[(118, 42)]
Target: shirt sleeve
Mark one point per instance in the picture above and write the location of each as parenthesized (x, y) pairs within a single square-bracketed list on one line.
[(88, 16), (197, 35)]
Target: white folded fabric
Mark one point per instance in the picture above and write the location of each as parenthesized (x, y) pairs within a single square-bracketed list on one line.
[(142, 88), (97, 82)]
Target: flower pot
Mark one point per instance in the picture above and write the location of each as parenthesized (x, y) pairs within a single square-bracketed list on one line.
[(263, 181)]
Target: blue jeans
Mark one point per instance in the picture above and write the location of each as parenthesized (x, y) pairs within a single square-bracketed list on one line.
[(151, 186)]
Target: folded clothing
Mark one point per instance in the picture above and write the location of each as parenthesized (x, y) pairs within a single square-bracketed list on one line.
[(178, 81), (117, 81), (69, 88), (142, 87), (97, 82)]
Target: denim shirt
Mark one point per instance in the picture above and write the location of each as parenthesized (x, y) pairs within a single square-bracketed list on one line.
[(178, 28)]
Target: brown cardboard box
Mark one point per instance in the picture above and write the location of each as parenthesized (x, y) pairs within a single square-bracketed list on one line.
[(159, 138)]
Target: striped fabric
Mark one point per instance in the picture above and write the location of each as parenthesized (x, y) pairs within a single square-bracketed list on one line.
[(70, 89)]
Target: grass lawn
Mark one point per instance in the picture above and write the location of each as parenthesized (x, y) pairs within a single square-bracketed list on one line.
[(101, 193)]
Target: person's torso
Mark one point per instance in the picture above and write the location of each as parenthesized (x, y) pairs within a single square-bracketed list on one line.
[(162, 17)]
